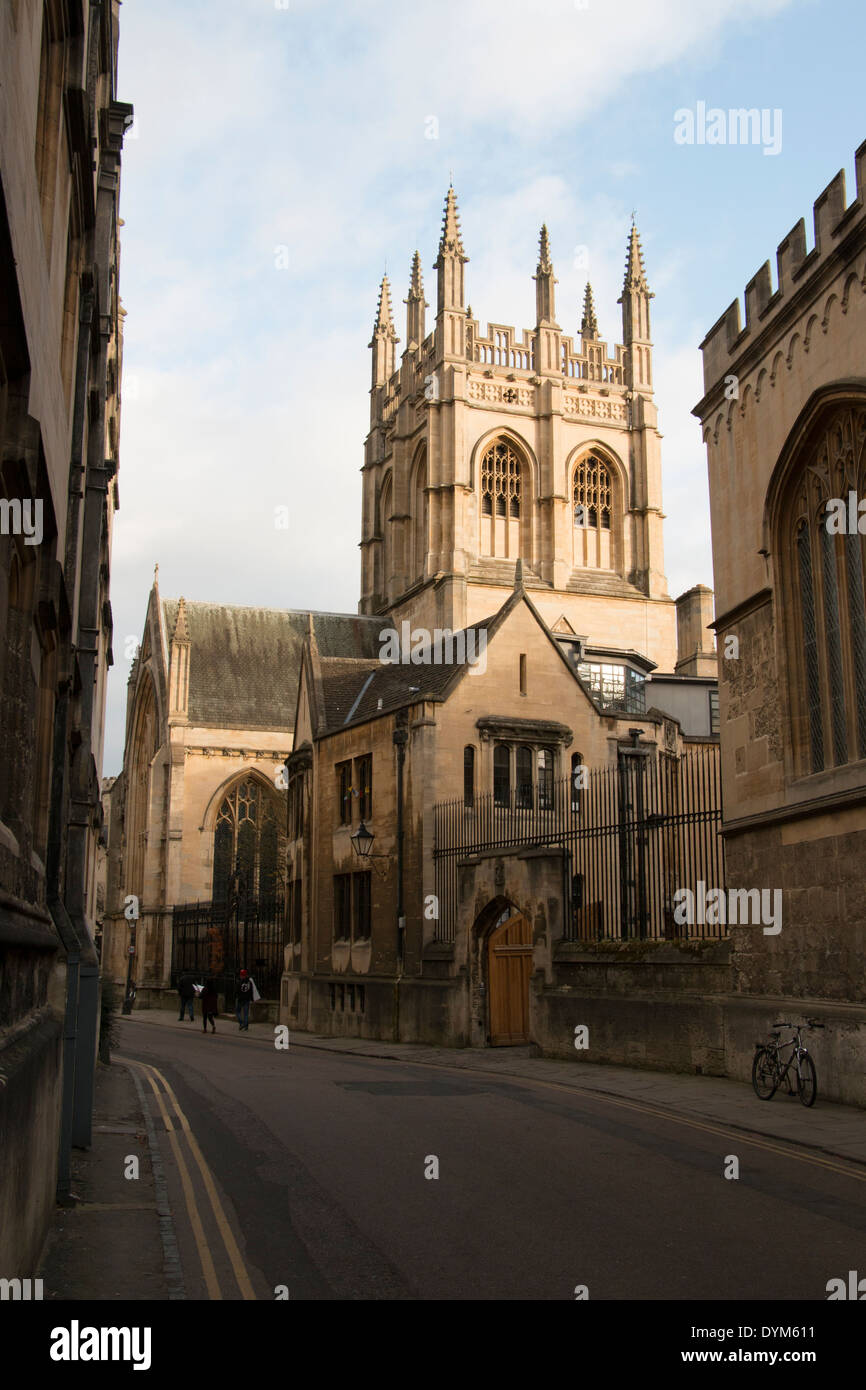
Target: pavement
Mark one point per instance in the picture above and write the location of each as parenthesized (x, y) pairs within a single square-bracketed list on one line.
[(120, 1236), (838, 1130)]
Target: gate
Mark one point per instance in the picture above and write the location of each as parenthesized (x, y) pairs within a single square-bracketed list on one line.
[(632, 835), (509, 966), (212, 941)]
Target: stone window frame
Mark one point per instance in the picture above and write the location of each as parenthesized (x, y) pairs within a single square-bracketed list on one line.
[(823, 598)]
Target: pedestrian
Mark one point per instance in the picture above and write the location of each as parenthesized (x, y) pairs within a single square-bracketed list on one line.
[(187, 998), (209, 1006), (245, 998)]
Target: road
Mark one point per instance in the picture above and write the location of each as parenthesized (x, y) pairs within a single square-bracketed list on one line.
[(304, 1171)]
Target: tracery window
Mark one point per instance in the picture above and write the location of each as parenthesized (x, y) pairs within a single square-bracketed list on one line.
[(592, 494), (246, 859), (825, 560), (500, 480)]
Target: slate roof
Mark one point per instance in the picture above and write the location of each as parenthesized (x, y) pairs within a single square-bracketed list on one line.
[(245, 662), (352, 689)]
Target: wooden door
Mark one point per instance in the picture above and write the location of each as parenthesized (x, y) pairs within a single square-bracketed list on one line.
[(509, 966)]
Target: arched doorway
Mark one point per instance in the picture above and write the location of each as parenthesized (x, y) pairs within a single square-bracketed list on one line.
[(509, 966)]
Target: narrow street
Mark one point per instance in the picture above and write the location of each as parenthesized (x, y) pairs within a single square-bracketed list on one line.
[(306, 1169)]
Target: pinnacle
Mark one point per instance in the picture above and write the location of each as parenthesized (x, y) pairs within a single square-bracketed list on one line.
[(635, 275), (545, 266), (181, 631), (589, 322), (450, 241), (416, 284), (384, 318)]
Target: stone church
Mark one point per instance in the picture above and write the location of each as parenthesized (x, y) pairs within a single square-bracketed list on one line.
[(411, 783)]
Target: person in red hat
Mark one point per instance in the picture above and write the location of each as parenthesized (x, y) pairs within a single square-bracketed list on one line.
[(245, 998)]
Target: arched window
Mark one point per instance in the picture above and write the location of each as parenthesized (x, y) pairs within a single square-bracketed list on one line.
[(592, 494), (469, 775), (247, 843), (500, 480), (419, 520), (385, 532), (593, 512), (823, 555)]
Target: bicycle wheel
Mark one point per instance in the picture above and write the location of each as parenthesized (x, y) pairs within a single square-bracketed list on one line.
[(808, 1081), (765, 1074)]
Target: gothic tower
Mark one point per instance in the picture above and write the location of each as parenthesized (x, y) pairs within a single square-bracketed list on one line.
[(486, 447)]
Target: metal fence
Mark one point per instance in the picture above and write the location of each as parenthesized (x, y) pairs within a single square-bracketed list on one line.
[(215, 941), (631, 836)]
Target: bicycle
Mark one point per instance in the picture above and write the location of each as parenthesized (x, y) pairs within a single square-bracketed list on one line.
[(768, 1073)]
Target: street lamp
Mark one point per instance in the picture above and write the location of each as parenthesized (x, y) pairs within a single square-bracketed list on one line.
[(362, 842)]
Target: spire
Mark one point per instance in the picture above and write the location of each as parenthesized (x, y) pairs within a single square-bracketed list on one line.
[(635, 301), (450, 242), (416, 285), (449, 267), (384, 318), (181, 631), (384, 337), (544, 264), (635, 275), (589, 322), (548, 346), (415, 305)]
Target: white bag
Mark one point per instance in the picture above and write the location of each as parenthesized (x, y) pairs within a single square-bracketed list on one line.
[(256, 995), (198, 988)]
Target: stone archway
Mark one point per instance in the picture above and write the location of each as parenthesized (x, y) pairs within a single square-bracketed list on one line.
[(503, 966)]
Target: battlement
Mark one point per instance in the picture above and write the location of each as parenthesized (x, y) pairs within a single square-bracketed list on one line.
[(501, 353), (796, 269)]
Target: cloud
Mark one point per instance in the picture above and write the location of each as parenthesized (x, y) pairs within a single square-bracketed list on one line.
[(262, 127)]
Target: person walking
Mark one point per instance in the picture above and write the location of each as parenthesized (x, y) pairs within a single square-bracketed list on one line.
[(245, 998), (209, 1006), (187, 998)]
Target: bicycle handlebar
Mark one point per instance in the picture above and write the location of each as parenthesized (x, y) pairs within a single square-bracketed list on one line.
[(809, 1023)]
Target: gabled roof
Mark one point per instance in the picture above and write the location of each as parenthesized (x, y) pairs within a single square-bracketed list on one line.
[(245, 662), (347, 692)]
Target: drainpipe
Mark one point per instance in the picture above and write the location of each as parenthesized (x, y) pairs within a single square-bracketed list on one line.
[(401, 738)]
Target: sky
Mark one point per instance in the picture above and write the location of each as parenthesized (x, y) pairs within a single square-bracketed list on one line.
[(285, 153)]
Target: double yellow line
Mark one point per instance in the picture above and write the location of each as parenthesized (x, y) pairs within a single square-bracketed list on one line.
[(174, 1131)]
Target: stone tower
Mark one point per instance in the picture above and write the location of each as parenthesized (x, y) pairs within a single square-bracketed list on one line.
[(488, 447)]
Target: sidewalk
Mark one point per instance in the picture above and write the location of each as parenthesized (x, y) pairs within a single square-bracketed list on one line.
[(117, 1242), (838, 1130)]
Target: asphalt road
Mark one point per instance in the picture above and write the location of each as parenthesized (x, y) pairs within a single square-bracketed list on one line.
[(310, 1180)]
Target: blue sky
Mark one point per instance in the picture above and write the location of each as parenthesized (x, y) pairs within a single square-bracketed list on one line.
[(299, 135)]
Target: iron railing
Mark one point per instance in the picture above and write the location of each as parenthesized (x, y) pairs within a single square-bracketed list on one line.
[(215, 941), (631, 837)]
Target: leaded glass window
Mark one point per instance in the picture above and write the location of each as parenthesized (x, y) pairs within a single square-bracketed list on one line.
[(247, 841), (500, 480), (592, 494), (833, 640), (828, 655), (810, 647)]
